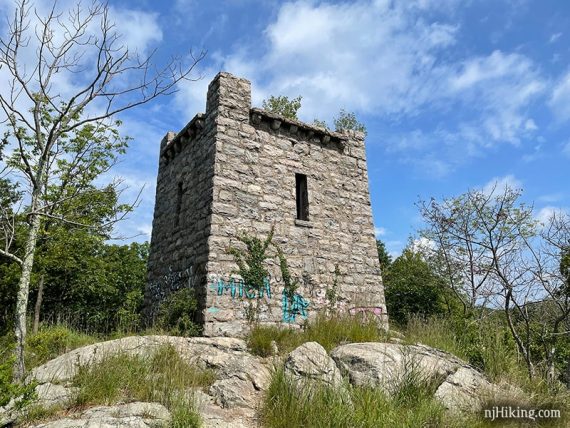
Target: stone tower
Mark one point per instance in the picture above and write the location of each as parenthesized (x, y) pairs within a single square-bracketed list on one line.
[(238, 169)]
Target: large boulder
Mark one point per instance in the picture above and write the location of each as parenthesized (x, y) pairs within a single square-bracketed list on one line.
[(233, 398), (133, 415), (208, 351), (311, 363), (387, 365), (50, 395)]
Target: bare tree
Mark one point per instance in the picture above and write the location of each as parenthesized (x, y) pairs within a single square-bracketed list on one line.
[(60, 137), (483, 240), (552, 271)]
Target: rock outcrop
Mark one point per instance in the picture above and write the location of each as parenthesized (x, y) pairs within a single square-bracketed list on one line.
[(310, 362), (386, 366), (234, 398), (131, 415)]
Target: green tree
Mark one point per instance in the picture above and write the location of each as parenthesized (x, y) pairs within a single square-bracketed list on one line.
[(283, 106), (412, 288), (383, 256), (348, 121), (57, 144)]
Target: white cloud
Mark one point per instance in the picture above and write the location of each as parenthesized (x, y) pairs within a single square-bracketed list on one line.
[(422, 245), (499, 184), (560, 98), (554, 37), (139, 29), (395, 61), (546, 213), (379, 231), (363, 56)]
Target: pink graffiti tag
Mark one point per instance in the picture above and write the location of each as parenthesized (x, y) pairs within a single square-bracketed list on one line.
[(375, 310)]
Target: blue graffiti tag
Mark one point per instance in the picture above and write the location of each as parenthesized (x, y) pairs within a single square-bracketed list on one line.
[(239, 288), (297, 305)]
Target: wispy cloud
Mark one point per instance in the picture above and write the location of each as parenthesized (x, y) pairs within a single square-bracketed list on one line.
[(379, 231), (499, 184), (337, 56), (554, 37), (560, 98)]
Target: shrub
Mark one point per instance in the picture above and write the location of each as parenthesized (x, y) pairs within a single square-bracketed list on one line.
[(52, 341), (24, 394), (177, 313)]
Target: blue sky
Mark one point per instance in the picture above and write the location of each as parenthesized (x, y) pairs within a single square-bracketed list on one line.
[(455, 94)]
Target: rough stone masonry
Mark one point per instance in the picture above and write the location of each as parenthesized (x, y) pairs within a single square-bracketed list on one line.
[(238, 169)]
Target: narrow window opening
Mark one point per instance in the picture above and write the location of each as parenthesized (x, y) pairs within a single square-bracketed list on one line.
[(302, 197), (179, 203)]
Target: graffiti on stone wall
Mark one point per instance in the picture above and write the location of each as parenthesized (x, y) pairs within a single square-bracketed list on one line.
[(293, 307), (171, 282), (375, 311), (237, 288)]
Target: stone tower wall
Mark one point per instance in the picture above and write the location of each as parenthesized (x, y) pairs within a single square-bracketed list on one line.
[(241, 167)]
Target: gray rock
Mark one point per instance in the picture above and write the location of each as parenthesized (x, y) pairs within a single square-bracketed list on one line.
[(465, 390), (134, 415), (50, 395), (65, 367), (311, 362), (241, 377), (8, 413), (385, 365)]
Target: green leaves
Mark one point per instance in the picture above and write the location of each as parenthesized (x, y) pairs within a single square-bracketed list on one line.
[(412, 288), (347, 121), (283, 106), (251, 261)]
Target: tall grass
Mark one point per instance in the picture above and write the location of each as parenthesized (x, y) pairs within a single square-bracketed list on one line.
[(348, 406), (162, 377), (326, 330)]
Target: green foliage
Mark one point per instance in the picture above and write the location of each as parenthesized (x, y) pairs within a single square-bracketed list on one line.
[(348, 121), (290, 285), (331, 292), (50, 342), (283, 106), (162, 377), (260, 337), (412, 288), (329, 331), (320, 124), (24, 394), (177, 313), (485, 343), (9, 193), (565, 270), (383, 255), (251, 267), (93, 286)]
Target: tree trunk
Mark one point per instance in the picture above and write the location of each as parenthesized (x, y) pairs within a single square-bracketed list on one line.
[(520, 345), (38, 305), (23, 293)]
